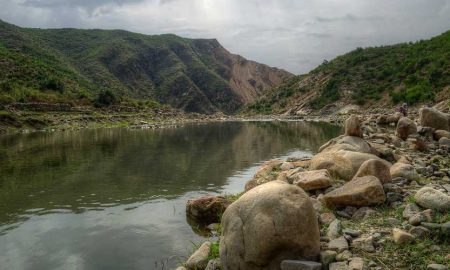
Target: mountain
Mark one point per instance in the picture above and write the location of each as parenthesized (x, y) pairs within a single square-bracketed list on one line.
[(60, 65), (415, 72)]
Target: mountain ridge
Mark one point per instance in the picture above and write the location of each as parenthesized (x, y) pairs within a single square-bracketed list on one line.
[(196, 75), (370, 78)]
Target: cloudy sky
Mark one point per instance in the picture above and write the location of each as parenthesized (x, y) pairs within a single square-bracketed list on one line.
[(296, 35)]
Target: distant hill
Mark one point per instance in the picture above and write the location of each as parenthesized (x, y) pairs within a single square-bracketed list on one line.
[(80, 66), (415, 72)]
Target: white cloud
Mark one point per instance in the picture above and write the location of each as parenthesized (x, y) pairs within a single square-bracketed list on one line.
[(292, 34)]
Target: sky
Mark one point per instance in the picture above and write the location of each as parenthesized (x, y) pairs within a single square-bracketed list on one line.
[(296, 35)]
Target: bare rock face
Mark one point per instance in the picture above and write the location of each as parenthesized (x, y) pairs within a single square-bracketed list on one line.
[(312, 180), (268, 224), (362, 191), (405, 127), (376, 168), (207, 209), (353, 127), (429, 117)]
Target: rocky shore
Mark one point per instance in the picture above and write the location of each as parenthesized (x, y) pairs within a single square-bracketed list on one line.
[(373, 198)]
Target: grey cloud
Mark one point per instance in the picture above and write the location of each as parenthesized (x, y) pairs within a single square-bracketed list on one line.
[(291, 34)]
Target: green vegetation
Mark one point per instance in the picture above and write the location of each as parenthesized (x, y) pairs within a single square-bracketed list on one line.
[(412, 72), (106, 67)]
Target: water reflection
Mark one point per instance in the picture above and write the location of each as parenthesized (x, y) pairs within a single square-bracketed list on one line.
[(114, 198)]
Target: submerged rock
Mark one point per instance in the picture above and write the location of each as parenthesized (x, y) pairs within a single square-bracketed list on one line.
[(278, 213), (207, 209)]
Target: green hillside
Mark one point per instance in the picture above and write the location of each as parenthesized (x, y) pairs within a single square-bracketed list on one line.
[(412, 72), (108, 66)]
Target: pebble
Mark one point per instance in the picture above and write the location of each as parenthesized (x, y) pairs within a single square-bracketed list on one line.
[(435, 266), (300, 265), (352, 233), (327, 257), (401, 237), (339, 244)]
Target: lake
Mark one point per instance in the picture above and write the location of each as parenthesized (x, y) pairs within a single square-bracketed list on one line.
[(115, 198)]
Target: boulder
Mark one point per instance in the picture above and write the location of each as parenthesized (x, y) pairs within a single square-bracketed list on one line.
[(405, 127), (267, 172), (199, 259), (404, 170), (279, 213), (444, 142), (353, 127), (376, 168), (428, 197), (388, 119), (336, 165), (361, 191), (311, 180), (349, 143), (207, 209), (429, 117), (342, 164), (441, 133), (401, 237)]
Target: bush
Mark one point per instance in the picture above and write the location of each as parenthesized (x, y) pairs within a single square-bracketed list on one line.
[(106, 98)]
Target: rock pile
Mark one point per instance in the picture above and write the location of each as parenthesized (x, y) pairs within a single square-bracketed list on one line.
[(317, 213)]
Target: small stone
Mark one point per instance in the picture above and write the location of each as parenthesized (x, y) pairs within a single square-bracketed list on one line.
[(401, 237), (435, 266), (327, 257), (362, 213), (356, 263), (372, 264), (364, 243), (213, 264), (300, 265), (393, 221), (435, 248), (199, 259), (339, 244), (416, 219), (431, 226), (352, 233), (428, 214), (327, 218), (419, 232), (334, 229), (392, 197), (410, 210), (445, 228), (343, 214), (181, 268), (344, 256), (339, 266)]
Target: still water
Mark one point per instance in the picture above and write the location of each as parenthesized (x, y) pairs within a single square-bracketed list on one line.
[(115, 198)]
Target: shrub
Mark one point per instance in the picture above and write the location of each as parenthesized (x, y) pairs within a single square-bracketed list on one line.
[(106, 98)]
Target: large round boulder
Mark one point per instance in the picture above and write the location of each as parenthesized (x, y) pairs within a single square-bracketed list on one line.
[(429, 117), (405, 127), (377, 168), (349, 143), (353, 127), (268, 224)]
